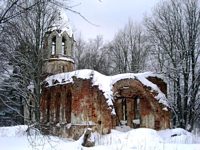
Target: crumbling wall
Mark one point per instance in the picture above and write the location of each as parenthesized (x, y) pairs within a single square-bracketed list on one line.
[(66, 110), (88, 108), (160, 83), (151, 113), (57, 65)]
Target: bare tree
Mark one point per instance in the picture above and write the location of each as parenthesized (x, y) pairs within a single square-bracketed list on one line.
[(129, 49), (8, 9), (5, 10), (174, 32), (23, 24), (22, 39), (79, 53), (92, 55)]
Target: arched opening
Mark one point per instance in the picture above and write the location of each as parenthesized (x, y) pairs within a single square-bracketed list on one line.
[(63, 46), (137, 116), (57, 107), (53, 46), (124, 109), (128, 106), (68, 106), (48, 108)]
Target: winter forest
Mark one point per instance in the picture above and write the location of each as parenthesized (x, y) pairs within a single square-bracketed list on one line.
[(166, 42)]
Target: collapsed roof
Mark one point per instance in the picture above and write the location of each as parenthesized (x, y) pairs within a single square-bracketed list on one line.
[(105, 83)]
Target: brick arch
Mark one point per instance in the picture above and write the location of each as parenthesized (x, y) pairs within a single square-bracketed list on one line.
[(131, 83), (46, 106), (126, 92), (136, 88)]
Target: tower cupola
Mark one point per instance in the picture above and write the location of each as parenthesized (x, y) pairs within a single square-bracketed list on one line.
[(59, 44)]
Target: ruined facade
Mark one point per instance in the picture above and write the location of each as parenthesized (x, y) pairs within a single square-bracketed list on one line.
[(136, 104), (70, 108), (74, 100)]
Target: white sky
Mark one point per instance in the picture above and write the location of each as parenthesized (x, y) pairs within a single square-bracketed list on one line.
[(109, 15)]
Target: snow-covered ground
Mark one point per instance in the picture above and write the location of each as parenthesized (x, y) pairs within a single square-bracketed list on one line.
[(16, 138)]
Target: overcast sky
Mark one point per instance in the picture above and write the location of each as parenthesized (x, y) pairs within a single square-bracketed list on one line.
[(109, 15)]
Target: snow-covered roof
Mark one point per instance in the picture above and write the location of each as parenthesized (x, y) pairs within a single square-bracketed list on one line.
[(62, 24), (105, 83)]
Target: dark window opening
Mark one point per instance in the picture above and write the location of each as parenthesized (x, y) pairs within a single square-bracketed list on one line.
[(157, 125), (53, 46), (124, 109), (99, 122), (68, 108), (48, 108), (57, 106), (63, 47)]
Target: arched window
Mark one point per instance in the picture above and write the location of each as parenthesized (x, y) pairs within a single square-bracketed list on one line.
[(63, 47), (57, 107), (48, 108), (137, 107), (124, 109), (68, 107), (53, 46), (137, 116)]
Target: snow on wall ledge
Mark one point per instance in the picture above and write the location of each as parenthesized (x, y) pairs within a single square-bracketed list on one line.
[(105, 83), (66, 58)]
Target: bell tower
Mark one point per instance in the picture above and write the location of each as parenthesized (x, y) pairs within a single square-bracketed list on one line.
[(58, 47)]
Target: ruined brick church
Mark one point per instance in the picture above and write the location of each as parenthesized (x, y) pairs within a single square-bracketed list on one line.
[(73, 100)]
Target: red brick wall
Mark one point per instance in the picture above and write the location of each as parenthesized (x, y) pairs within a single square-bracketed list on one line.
[(151, 112), (80, 103), (88, 105)]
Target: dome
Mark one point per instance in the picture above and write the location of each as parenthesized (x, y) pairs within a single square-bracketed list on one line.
[(61, 25)]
